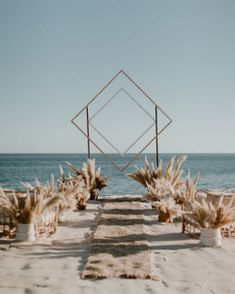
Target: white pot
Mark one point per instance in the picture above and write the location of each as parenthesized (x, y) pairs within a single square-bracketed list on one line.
[(210, 237), (25, 232)]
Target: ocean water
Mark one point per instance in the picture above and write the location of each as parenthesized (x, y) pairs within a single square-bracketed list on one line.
[(217, 171)]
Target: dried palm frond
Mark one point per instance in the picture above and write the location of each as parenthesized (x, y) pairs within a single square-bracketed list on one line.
[(209, 214)]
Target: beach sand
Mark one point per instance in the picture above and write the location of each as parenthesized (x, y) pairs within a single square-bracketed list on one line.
[(55, 264)]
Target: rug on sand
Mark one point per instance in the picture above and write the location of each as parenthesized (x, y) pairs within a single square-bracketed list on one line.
[(119, 248)]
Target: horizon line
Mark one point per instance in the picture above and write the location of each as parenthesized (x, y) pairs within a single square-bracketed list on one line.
[(97, 153)]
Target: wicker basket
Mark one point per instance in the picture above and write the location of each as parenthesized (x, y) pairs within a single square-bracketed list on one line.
[(164, 217), (44, 225)]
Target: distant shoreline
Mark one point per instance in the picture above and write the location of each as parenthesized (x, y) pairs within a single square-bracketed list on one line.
[(95, 153)]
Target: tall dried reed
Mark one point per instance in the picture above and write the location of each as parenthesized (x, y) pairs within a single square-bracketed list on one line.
[(93, 178), (149, 174), (24, 208), (208, 214), (73, 192)]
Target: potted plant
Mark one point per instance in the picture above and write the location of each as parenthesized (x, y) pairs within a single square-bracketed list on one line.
[(93, 178), (24, 209), (68, 201), (186, 193), (211, 217), (168, 209), (73, 188), (82, 196), (170, 193), (149, 174)]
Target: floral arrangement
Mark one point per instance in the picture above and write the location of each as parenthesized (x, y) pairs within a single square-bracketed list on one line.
[(92, 178), (72, 191), (24, 208), (214, 215)]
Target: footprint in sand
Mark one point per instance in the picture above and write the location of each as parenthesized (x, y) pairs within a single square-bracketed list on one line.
[(148, 289), (165, 283), (26, 266)]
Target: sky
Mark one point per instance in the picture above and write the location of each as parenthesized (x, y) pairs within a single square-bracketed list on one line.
[(56, 55)]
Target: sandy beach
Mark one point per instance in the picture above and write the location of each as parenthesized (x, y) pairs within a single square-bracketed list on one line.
[(117, 152), (55, 264)]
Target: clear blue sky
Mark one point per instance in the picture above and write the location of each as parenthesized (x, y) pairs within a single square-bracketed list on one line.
[(55, 55)]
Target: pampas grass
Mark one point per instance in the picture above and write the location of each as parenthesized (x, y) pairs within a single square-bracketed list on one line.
[(93, 179), (72, 195), (213, 215), (23, 209), (148, 174), (47, 190), (73, 192), (158, 183), (186, 193), (169, 191), (168, 206), (158, 189)]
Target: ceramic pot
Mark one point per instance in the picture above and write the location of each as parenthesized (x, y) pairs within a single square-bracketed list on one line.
[(81, 206), (25, 232), (164, 217), (94, 194), (210, 237)]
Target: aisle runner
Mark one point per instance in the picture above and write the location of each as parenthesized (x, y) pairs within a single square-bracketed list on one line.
[(120, 248)]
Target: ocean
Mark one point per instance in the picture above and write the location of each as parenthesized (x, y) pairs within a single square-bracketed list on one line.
[(217, 171)]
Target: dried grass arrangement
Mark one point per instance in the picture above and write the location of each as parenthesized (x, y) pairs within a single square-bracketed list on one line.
[(159, 189), (168, 183), (145, 175), (93, 178), (33, 213), (170, 192), (23, 209), (214, 215), (211, 217), (186, 192), (168, 209), (149, 175), (73, 191)]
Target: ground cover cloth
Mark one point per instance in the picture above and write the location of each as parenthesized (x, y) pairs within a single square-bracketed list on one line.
[(120, 248)]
